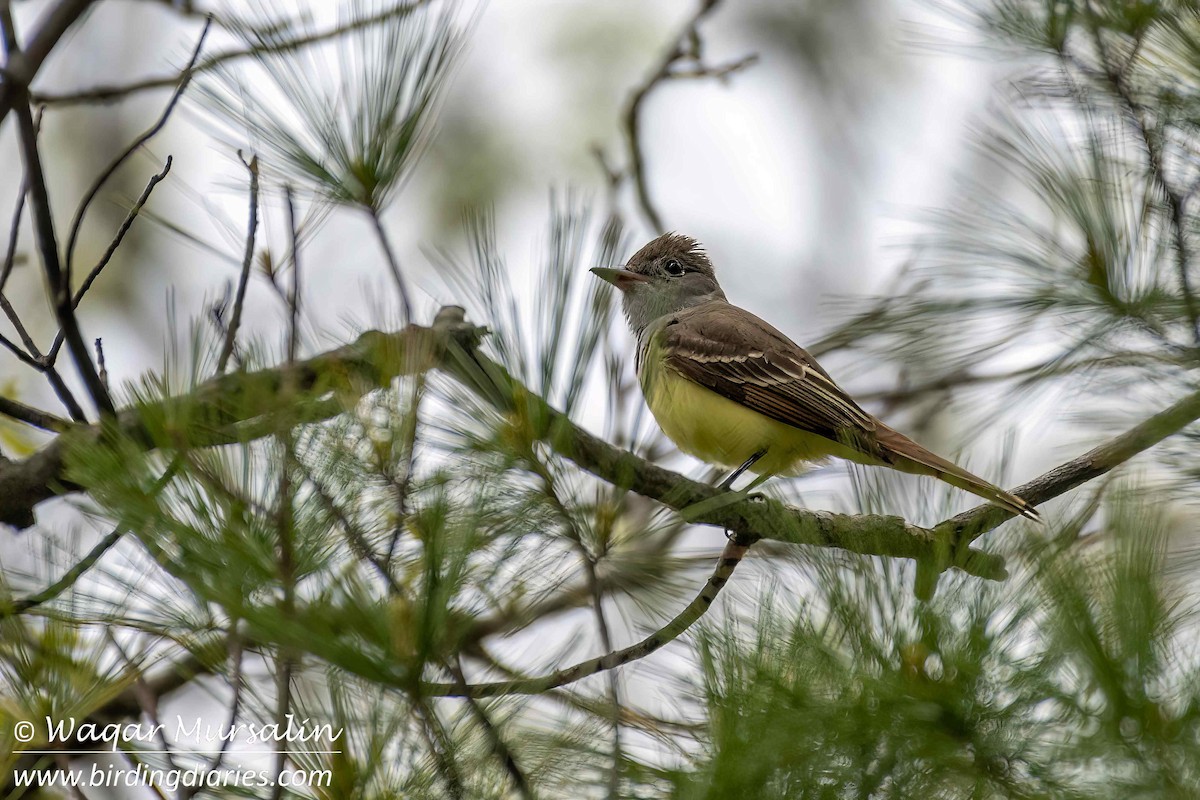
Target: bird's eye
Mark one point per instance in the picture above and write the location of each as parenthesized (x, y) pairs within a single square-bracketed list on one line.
[(673, 267)]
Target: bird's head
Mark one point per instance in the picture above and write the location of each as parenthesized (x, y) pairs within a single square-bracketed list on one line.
[(669, 274)]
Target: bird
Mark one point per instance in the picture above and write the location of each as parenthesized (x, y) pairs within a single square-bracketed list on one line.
[(730, 389)]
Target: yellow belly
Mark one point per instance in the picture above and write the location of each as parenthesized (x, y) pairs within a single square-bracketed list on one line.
[(720, 431)]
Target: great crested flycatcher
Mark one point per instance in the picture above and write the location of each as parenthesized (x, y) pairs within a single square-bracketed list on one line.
[(731, 390)]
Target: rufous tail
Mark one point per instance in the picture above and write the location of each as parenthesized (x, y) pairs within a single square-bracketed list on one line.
[(908, 456)]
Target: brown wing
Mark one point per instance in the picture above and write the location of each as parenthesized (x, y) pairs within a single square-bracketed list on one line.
[(734, 353)]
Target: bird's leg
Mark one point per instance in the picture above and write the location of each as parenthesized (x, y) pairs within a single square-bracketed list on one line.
[(724, 497), (747, 464), (727, 484)]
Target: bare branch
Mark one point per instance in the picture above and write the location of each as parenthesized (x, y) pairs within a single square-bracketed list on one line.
[(731, 556), (30, 346), (499, 746), (286, 659), (239, 300), (593, 584), (393, 265), (14, 228), (147, 135), (687, 48), (440, 747), (77, 570), (108, 94), (67, 580), (59, 279), (970, 525), (33, 416), (109, 252), (20, 68)]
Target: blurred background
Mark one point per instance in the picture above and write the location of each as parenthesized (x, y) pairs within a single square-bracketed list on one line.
[(805, 174), (981, 226), (811, 175)]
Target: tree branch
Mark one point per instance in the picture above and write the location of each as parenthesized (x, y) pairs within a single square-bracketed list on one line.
[(39, 201), (147, 135), (33, 416), (239, 300), (970, 525), (67, 580), (108, 94), (228, 408), (119, 237), (730, 557), (20, 68), (686, 48)]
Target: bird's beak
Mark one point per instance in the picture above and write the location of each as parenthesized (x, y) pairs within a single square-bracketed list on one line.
[(623, 279)]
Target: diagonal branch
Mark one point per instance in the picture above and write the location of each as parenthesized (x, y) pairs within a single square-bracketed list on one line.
[(228, 408), (32, 416), (68, 578), (84, 564), (146, 136), (687, 48), (108, 94), (39, 201), (970, 525), (20, 69), (730, 557), (115, 243), (239, 300)]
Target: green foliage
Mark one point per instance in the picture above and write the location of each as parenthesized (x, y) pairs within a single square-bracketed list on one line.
[(1068, 681), (362, 545), (347, 120), (1081, 231)]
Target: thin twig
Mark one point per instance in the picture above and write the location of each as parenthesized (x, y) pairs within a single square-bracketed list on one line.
[(21, 68), (355, 536), (293, 297), (393, 265), (101, 367), (593, 584), (77, 570), (730, 557), (236, 654), (239, 300), (126, 224), (146, 696), (147, 135), (33, 416), (68, 578), (109, 252), (108, 94), (499, 747), (440, 747), (686, 47), (14, 232), (403, 486), (286, 523), (22, 356), (27, 340), (58, 280)]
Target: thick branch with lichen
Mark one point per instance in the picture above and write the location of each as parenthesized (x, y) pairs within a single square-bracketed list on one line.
[(233, 408), (239, 406)]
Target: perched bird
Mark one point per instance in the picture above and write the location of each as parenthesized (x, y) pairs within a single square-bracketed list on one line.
[(731, 390)]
